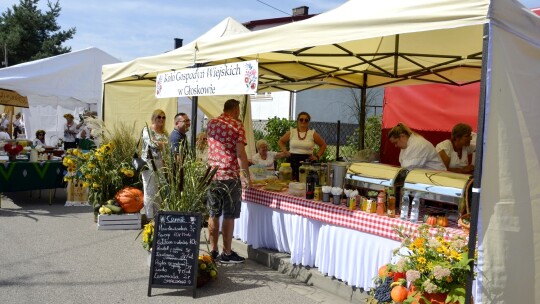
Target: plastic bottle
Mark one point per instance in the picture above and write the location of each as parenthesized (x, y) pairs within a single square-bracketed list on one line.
[(405, 201), (415, 208), (285, 172)]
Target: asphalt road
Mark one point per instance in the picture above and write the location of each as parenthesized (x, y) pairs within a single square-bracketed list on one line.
[(55, 254)]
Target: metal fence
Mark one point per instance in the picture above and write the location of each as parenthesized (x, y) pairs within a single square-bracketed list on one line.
[(335, 135)]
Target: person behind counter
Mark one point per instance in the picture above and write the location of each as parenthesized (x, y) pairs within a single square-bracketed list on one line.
[(301, 140), (265, 157), (456, 152), (70, 132), (40, 139), (416, 151)]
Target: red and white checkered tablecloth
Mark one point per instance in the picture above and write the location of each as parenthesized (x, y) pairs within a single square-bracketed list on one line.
[(338, 215)]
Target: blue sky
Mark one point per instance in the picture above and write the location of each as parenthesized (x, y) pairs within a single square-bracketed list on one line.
[(128, 29)]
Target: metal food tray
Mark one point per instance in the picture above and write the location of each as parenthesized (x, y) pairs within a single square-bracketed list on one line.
[(441, 186), (375, 176)]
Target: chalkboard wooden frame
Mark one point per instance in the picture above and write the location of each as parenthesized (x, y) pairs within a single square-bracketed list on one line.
[(176, 245)]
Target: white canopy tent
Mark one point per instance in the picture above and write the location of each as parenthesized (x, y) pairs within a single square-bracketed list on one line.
[(67, 83), (379, 43)]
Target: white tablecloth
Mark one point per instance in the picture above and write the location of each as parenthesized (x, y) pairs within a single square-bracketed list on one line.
[(263, 227), (352, 256), (346, 254)]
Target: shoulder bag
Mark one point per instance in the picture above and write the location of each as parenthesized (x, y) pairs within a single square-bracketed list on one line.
[(138, 163)]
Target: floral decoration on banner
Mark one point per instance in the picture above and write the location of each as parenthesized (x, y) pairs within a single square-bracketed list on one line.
[(13, 150), (251, 76), (429, 264)]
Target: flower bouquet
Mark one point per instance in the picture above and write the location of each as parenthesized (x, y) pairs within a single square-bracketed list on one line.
[(434, 267), (148, 235), (13, 150)]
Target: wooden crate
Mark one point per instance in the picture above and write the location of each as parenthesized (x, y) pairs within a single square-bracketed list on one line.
[(127, 221)]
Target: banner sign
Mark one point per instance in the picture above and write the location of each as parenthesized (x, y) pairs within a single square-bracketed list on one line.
[(237, 78), (11, 98)]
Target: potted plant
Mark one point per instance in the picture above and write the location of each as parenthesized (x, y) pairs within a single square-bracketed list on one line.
[(183, 183)]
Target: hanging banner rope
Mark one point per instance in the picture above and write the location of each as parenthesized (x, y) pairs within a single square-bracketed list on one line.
[(235, 78)]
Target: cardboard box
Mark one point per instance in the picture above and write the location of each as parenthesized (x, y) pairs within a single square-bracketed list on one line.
[(127, 221)]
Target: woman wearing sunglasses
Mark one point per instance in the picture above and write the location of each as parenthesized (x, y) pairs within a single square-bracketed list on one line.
[(154, 139), (302, 142)]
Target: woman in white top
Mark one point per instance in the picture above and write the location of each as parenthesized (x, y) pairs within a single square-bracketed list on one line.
[(71, 129), (302, 142), (265, 157), (456, 153), (416, 151), (155, 139)]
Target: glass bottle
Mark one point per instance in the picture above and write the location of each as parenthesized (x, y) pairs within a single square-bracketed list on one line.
[(391, 210), (381, 203)]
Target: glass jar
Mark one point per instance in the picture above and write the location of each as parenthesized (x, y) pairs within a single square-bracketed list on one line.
[(303, 172), (285, 172)]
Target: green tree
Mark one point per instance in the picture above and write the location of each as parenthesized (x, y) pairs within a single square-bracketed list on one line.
[(354, 104), (372, 135), (275, 128), (28, 34)]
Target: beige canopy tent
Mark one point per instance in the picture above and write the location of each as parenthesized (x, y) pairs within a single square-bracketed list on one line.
[(391, 42), (129, 90)]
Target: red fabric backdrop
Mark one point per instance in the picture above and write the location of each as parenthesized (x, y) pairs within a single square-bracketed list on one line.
[(432, 110)]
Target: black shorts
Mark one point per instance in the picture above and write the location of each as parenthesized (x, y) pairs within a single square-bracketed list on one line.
[(225, 197)]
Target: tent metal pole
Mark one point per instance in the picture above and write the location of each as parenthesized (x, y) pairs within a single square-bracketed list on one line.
[(477, 183), (363, 101), (194, 107)]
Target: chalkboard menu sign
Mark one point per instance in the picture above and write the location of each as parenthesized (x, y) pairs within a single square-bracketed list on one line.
[(175, 251)]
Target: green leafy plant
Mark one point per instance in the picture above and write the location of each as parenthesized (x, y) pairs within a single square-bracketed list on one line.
[(275, 128), (183, 181), (372, 135)]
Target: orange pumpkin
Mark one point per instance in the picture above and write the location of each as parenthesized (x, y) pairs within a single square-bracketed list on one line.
[(130, 199), (399, 293), (384, 272), (431, 220)]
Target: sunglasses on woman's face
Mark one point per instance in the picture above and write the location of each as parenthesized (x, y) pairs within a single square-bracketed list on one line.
[(160, 117), (303, 119)]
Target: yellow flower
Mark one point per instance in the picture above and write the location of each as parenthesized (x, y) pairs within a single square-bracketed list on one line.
[(91, 165), (421, 260), (95, 185), (86, 184), (421, 251), (128, 173)]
